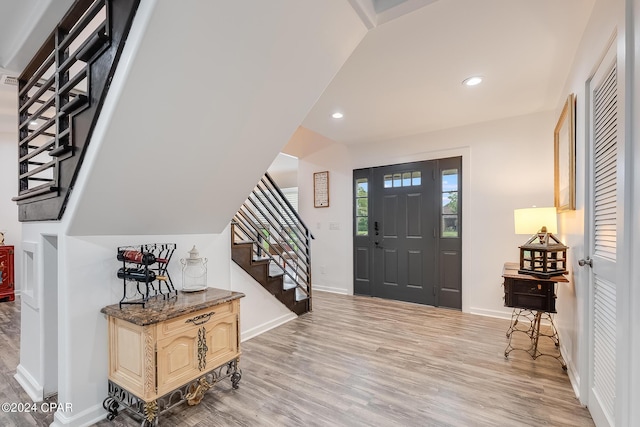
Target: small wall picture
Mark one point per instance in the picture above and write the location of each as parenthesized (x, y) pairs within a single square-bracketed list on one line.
[(321, 189)]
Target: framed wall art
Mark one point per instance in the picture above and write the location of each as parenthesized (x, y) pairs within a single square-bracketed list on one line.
[(321, 189), (564, 137)]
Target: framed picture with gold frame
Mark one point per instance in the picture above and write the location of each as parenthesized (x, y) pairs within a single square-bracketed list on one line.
[(564, 137), (321, 189)]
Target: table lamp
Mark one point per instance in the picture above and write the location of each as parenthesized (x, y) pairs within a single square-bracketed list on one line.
[(543, 255)]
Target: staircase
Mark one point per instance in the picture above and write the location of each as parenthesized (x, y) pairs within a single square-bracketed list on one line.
[(272, 244), (61, 93)]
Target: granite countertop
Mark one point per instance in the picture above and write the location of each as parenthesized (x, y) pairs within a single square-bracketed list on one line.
[(158, 309)]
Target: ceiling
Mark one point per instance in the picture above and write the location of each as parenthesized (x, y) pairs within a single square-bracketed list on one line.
[(405, 76)]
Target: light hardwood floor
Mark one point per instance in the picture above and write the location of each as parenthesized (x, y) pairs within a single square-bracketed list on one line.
[(359, 361)]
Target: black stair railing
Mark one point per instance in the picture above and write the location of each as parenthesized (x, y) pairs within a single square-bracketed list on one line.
[(277, 233), (60, 95)]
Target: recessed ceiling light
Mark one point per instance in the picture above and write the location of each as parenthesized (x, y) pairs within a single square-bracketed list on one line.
[(337, 115), (472, 81), (33, 122)]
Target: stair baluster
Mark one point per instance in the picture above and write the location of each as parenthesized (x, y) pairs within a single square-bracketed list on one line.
[(270, 241)]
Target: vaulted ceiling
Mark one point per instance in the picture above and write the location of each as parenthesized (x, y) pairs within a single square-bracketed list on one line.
[(405, 76)]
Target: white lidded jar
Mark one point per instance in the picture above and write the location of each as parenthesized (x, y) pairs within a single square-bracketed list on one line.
[(194, 272)]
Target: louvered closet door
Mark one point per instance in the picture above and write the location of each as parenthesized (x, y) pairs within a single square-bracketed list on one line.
[(604, 225)]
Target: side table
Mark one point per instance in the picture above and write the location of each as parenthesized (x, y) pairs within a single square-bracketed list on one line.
[(533, 301), (171, 351)]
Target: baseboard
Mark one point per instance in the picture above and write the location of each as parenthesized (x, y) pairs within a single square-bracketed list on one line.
[(321, 288), (498, 314), (491, 313), (261, 329), (574, 377), (88, 417), (29, 384)]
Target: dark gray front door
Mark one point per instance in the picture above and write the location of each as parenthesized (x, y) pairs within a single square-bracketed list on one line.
[(407, 232), (404, 259)]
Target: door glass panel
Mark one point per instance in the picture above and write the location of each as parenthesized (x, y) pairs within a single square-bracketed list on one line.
[(362, 226), (362, 206), (449, 225), (406, 179), (450, 203), (450, 180), (362, 188), (449, 212), (416, 178), (388, 181), (397, 180)]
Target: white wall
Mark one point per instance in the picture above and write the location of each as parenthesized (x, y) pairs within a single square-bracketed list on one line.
[(195, 135), (332, 258), (30, 372), (606, 20), (9, 188), (507, 164), (634, 204)]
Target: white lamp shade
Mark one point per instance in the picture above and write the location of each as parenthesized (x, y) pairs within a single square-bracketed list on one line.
[(531, 220)]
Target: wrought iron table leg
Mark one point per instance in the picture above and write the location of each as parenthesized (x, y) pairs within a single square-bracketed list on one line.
[(534, 334), (236, 375), (111, 405)]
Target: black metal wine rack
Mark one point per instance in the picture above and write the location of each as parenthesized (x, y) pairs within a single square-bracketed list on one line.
[(142, 280)]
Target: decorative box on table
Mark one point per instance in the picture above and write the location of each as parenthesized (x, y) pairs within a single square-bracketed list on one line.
[(543, 259)]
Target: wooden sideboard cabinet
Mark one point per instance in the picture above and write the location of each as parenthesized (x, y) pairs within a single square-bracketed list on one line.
[(171, 350), (7, 284)]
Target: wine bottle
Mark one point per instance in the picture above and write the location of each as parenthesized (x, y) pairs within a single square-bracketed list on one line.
[(144, 258), (137, 274)]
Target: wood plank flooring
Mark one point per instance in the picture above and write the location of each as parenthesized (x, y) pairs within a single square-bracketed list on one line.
[(359, 361)]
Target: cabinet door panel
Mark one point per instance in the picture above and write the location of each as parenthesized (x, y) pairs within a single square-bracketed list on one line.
[(178, 355), (177, 360), (132, 357), (222, 341)]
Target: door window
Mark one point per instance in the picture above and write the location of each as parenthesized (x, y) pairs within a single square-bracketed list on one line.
[(362, 207), (404, 179), (449, 212)]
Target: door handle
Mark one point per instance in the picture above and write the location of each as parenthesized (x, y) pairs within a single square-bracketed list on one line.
[(587, 261)]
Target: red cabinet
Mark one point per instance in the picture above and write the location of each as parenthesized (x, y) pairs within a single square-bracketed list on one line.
[(6, 274)]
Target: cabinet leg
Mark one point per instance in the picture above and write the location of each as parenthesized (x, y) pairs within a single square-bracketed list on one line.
[(111, 405), (237, 373), (150, 412), (235, 379)]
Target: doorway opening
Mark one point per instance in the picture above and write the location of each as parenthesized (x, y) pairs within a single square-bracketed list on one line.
[(407, 232)]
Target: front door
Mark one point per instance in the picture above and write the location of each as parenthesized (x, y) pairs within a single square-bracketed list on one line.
[(404, 254), (407, 243)]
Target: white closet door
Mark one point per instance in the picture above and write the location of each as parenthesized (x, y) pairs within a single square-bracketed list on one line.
[(603, 188)]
